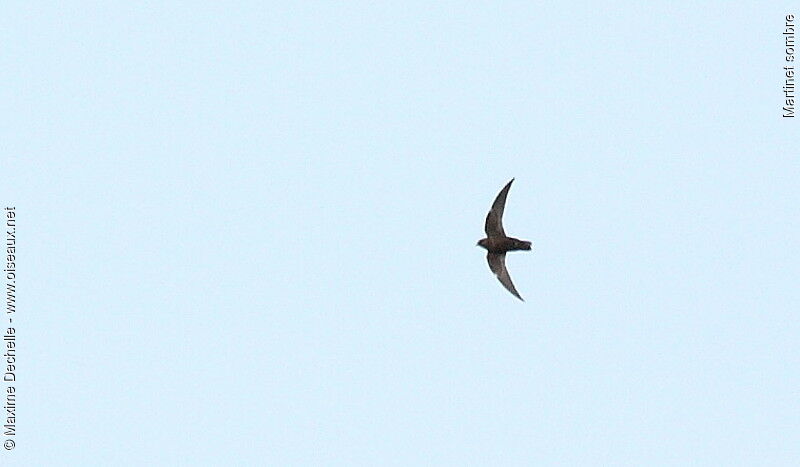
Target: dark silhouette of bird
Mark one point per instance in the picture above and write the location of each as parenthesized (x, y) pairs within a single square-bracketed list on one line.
[(497, 243)]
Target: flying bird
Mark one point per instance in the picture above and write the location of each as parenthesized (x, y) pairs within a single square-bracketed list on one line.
[(497, 243)]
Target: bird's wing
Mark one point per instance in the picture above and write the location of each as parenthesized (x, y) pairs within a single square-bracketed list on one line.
[(494, 220), (497, 263)]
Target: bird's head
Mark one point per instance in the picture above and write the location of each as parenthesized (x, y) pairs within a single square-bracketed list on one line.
[(481, 242)]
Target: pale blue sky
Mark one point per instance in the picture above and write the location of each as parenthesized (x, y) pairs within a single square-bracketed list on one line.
[(247, 233)]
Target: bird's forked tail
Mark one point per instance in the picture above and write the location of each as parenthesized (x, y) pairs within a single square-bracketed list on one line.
[(522, 245)]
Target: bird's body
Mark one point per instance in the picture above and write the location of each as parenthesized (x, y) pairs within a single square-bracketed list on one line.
[(497, 244), (504, 244)]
